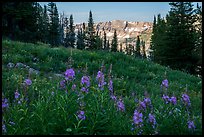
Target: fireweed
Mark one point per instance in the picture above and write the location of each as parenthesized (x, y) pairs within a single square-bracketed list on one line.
[(85, 81), (186, 99), (81, 115), (165, 83), (152, 120), (100, 79), (165, 98), (5, 103), (17, 94), (137, 121), (173, 100), (28, 82), (110, 86), (69, 74), (120, 105), (62, 84), (191, 125)]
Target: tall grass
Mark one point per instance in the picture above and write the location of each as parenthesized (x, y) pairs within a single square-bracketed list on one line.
[(45, 107)]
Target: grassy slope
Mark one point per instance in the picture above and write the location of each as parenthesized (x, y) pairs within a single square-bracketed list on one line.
[(129, 74)]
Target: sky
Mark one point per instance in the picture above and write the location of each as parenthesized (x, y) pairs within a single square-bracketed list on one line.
[(108, 11)]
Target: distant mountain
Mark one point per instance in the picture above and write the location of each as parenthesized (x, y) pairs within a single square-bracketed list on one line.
[(124, 29)]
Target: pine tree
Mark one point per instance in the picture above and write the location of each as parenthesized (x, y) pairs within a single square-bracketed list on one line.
[(180, 37), (197, 52), (152, 41), (90, 33), (104, 40), (54, 35), (126, 46), (61, 30), (138, 47), (80, 40), (45, 20), (143, 49), (19, 21), (108, 46), (130, 49), (121, 50), (114, 43), (66, 25), (98, 42), (158, 41), (70, 35), (39, 22)]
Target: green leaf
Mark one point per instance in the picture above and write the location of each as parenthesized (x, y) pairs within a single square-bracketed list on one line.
[(69, 130)]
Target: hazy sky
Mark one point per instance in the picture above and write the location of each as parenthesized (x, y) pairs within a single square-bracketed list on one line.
[(108, 11)]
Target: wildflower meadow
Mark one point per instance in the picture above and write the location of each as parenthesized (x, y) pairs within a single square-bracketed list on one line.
[(96, 94)]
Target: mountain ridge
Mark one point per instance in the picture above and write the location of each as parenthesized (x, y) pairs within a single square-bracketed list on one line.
[(125, 30)]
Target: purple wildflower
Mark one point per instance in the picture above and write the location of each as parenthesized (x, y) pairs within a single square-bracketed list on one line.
[(152, 120), (81, 115), (147, 101), (85, 80), (113, 97), (173, 100), (17, 95), (121, 105), (5, 103), (28, 82), (84, 89), (69, 74), (191, 125), (142, 105), (165, 83), (110, 85), (186, 99), (100, 79), (137, 118), (165, 98), (73, 86), (19, 102), (4, 128), (62, 84)]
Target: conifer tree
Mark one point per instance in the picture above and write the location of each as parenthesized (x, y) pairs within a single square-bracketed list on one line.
[(180, 37), (66, 25), (45, 25), (108, 46), (143, 49), (54, 36), (70, 36), (121, 50), (153, 39), (104, 41), (126, 46), (197, 53), (80, 40), (90, 33), (114, 43), (138, 47)]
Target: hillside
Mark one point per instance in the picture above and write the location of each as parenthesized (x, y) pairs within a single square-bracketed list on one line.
[(131, 78)]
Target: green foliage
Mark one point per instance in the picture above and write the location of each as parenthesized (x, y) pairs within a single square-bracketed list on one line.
[(114, 43), (54, 34), (174, 40), (137, 52), (90, 33), (80, 40), (51, 110), (70, 34)]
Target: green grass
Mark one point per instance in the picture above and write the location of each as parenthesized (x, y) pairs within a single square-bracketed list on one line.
[(56, 114)]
